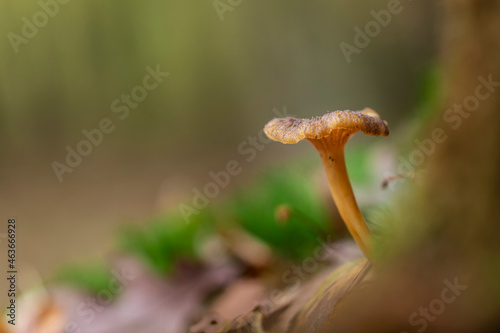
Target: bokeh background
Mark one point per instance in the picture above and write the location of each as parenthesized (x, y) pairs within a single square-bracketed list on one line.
[(226, 77)]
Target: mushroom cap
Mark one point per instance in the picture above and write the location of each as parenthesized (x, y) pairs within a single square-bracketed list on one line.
[(292, 130)]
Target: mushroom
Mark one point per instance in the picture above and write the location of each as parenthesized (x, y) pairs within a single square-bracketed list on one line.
[(329, 134)]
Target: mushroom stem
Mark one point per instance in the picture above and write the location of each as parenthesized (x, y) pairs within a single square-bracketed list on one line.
[(332, 156)]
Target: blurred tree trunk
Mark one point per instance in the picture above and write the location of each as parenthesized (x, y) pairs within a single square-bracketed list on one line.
[(452, 228), (464, 172)]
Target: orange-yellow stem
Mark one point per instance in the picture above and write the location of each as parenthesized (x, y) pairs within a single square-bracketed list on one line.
[(332, 156)]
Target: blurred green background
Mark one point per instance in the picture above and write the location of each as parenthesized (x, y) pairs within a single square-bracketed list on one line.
[(225, 79)]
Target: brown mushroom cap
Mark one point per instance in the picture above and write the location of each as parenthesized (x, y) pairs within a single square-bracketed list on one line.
[(291, 130)]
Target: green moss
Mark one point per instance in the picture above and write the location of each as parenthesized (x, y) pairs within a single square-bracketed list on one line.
[(164, 241), (255, 209), (91, 277)]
